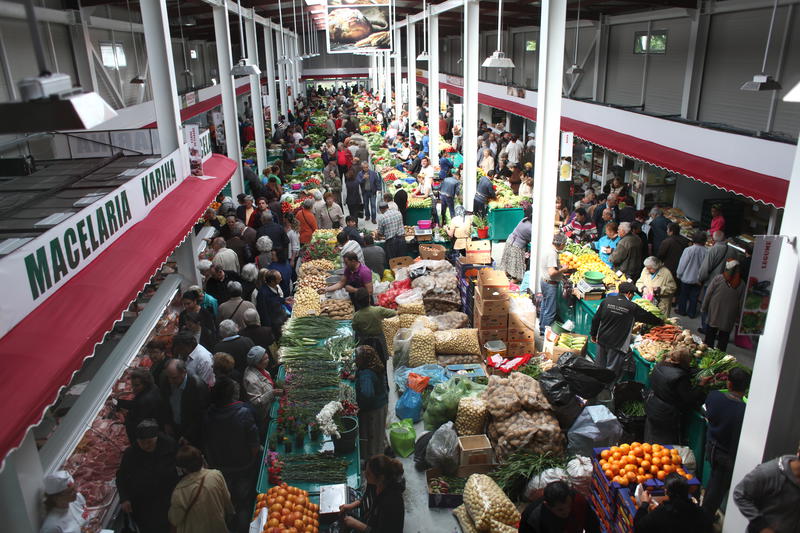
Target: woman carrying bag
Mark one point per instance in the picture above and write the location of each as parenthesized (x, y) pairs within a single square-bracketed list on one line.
[(200, 501)]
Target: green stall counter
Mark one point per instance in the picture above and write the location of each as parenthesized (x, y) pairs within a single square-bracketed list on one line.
[(565, 312), (415, 214), (642, 368), (502, 222)]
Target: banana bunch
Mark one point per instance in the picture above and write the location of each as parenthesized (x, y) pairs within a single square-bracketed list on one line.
[(571, 342)]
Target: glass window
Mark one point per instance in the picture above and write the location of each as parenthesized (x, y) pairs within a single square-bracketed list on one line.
[(656, 43), (113, 55), (193, 53)]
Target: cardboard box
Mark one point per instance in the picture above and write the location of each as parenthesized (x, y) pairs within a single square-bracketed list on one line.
[(466, 471), (522, 320), (479, 252), (481, 321), (520, 348), (447, 501), (491, 307), (397, 263), (490, 277), (475, 450), (432, 251), (551, 348), (486, 335), (521, 334)]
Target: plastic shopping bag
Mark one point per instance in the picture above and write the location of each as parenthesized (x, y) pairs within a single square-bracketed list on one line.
[(442, 451), (402, 437)]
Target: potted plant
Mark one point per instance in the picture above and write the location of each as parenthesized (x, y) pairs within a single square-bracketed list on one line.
[(480, 226)]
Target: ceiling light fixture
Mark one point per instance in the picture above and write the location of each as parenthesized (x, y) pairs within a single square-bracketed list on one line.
[(575, 69), (498, 59), (763, 81), (187, 73), (423, 56), (242, 68)]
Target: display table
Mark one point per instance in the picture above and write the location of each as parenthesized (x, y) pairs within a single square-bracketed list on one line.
[(502, 222), (565, 312), (415, 214), (584, 314), (642, 368)]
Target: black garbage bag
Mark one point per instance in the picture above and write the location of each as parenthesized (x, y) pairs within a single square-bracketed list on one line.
[(585, 377), (566, 406), (420, 452)]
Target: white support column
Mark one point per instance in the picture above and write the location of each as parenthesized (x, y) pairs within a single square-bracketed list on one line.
[(469, 126), (548, 134), (162, 74), (771, 427), (381, 76), (433, 90), (269, 57), (255, 95), (280, 40), (398, 76), (387, 76), (228, 92), (411, 68)]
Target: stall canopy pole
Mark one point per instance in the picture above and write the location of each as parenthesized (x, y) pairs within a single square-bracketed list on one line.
[(229, 115), (162, 74), (548, 135), (388, 77), (398, 77), (255, 96), (433, 90), (411, 68), (604, 172), (470, 101), (269, 58), (771, 425)]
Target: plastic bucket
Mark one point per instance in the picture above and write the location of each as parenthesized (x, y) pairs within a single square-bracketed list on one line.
[(349, 435), (483, 233)]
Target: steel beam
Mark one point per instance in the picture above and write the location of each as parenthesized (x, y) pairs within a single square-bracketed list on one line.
[(470, 102), (433, 90)]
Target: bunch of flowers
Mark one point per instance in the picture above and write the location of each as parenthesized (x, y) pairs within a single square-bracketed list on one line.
[(327, 419), (274, 467)]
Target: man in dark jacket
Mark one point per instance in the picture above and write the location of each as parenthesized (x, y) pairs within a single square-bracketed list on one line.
[(217, 283), (672, 397), (146, 402), (627, 256), (560, 510), (234, 344), (401, 199), (658, 228), (231, 439), (185, 400), (253, 330), (677, 513), (146, 477), (671, 248), (274, 231), (370, 183), (611, 203), (612, 325)]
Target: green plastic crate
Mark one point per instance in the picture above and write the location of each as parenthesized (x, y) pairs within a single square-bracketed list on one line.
[(502, 222), (415, 214)]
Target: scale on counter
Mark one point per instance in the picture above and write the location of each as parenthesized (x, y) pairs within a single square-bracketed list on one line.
[(331, 497), (591, 291)]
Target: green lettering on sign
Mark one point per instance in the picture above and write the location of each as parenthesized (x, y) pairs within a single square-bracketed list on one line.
[(57, 257), (38, 272), (70, 241)]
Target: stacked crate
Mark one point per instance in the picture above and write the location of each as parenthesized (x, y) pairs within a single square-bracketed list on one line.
[(467, 276), (490, 306)]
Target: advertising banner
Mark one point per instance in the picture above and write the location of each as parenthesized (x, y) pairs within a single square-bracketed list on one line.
[(191, 136), (358, 26), (565, 168), (38, 269), (763, 266)]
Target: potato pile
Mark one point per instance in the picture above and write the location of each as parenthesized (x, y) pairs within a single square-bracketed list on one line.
[(458, 342), (520, 416), (306, 302), (485, 502), (445, 360), (321, 266), (313, 281), (337, 309), (471, 416), (451, 320), (414, 307), (423, 348), (445, 280)]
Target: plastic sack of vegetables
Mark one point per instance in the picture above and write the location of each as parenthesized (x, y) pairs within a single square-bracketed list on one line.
[(442, 405), (409, 405), (464, 520), (485, 501), (422, 350), (458, 342), (388, 275), (410, 303), (390, 327), (471, 416), (442, 451), (580, 472), (402, 437), (435, 374), (401, 346), (535, 487), (595, 427)]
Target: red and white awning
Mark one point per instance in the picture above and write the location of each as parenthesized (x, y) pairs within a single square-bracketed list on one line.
[(41, 353)]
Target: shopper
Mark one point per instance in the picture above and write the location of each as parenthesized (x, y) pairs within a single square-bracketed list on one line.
[(513, 260), (580, 230), (658, 229), (401, 199), (374, 256), (347, 243), (233, 343), (393, 231), (65, 507), (282, 265), (552, 274), (146, 477), (308, 223), (231, 442), (598, 217), (723, 304), (332, 180), (448, 192), (487, 163), (484, 193), (381, 507), (351, 230), (197, 358), (562, 213), (617, 187), (560, 510), (714, 261), (225, 367), (677, 513), (373, 400), (612, 325), (246, 211), (216, 284), (258, 384), (607, 243), (769, 496), (146, 402), (275, 232), (271, 303), (291, 228), (329, 214), (672, 248), (200, 501), (725, 414), (192, 302), (717, 220), (235, 307), (354, 201), (260, 335), (185, 400), (672, 397), (627, 256), (656, 284), (689, 265)]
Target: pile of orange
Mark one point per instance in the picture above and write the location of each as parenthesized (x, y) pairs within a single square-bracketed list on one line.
[(289, 510), (629, 464)]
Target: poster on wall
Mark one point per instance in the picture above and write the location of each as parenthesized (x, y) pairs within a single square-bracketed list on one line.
[(191, 136), (565, 166), (358, 26), (763, 267)]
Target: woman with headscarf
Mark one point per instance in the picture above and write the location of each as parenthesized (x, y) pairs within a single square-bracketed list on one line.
[(723, 303), (373, 400), (258, 383), (657, 284), (671, 397), (513, 260)]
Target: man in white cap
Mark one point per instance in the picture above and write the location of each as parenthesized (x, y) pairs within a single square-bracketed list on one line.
[(65, 506)]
